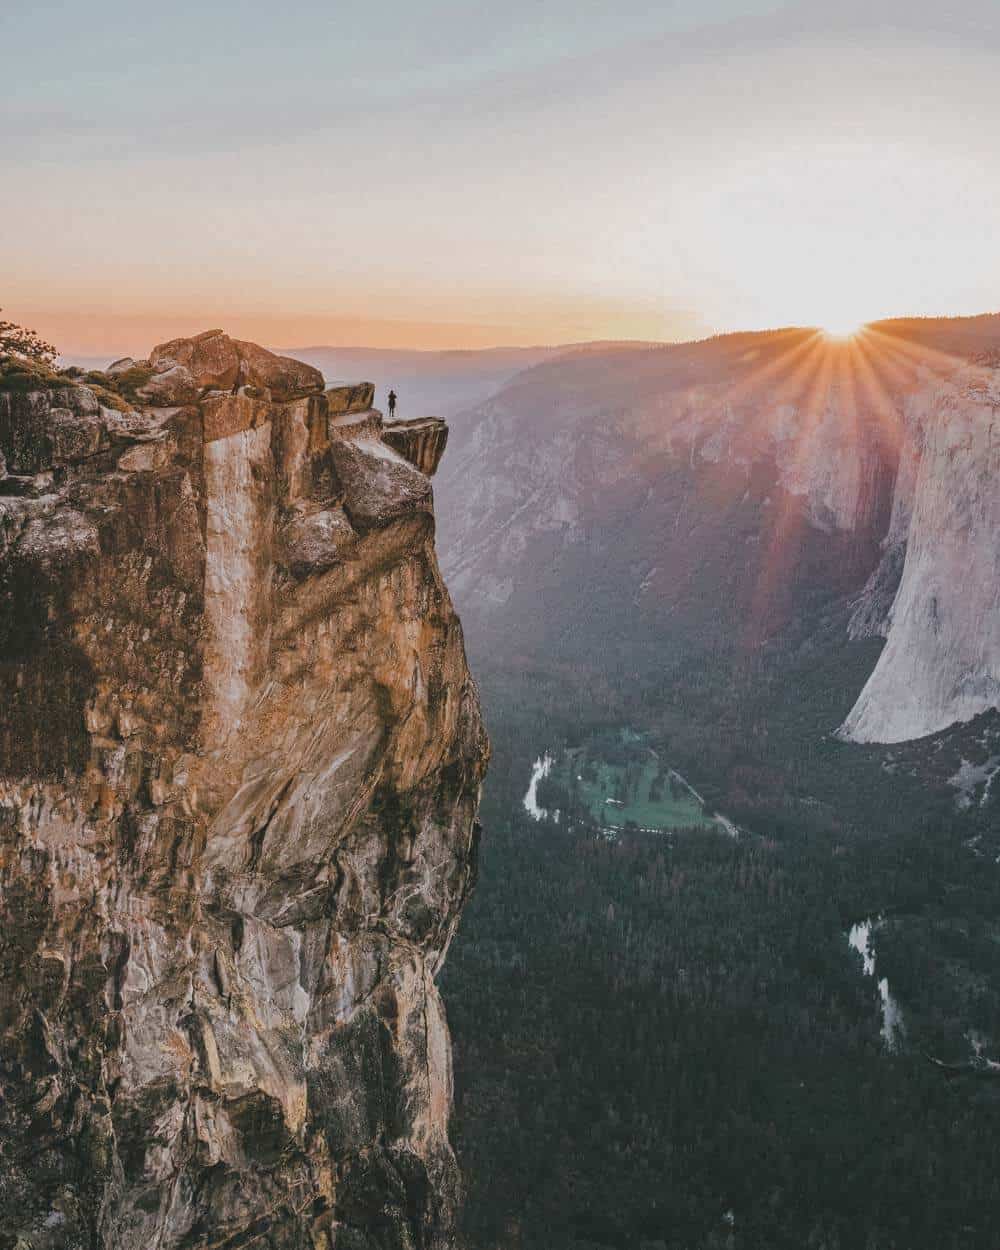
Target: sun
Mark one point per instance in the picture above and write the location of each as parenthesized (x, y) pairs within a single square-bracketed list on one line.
[(841, 328)]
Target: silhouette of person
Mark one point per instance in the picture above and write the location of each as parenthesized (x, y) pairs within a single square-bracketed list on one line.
[(392, 403)]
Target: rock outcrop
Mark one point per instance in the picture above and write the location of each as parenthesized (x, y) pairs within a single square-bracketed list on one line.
[(941, 662), (240, 758), (216, 361)]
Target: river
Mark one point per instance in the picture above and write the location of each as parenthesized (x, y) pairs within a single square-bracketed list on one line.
[(860, 938), (541, 768)]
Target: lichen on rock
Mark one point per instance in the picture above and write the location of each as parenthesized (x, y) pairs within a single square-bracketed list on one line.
[(240, 759)]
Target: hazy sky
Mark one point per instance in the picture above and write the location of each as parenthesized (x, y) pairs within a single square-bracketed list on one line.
[(453, 173)]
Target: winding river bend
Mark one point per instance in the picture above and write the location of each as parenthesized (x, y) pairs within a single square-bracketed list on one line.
[(541, 768), (860, 938)]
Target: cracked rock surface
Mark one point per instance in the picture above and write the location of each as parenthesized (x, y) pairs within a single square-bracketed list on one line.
[(240, 760)]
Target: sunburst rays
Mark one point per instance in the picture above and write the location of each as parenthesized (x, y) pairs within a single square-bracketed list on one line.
[(846, 389)]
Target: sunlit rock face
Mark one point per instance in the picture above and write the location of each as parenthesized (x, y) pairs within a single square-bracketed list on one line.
[(941, 661), (240, 758)]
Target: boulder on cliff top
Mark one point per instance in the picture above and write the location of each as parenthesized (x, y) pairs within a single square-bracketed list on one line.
[(217, 362), (212, 359), (284, 377), (358, 397)]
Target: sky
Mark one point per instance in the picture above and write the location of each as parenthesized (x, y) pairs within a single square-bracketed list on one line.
[(452, 174)]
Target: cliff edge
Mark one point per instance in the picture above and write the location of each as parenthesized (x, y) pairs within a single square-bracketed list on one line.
[(240, 760)]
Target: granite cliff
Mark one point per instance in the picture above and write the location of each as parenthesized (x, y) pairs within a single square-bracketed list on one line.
[(240, 760), (941, 662)]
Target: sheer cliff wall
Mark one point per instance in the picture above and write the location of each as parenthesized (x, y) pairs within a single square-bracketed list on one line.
[(941, 661), (240, 760)]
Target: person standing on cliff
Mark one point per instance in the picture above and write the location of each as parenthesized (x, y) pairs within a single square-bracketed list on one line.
[(392, 403)]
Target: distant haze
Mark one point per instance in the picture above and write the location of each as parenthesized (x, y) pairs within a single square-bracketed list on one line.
[(451, 175), (426, 383)]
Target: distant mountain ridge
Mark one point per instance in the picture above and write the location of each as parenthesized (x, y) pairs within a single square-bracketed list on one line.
[(439, 382), (701, 498)]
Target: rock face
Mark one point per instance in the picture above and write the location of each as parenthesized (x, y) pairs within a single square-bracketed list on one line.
[(422, 441), (358, 398), (240, 758), (941, 662)]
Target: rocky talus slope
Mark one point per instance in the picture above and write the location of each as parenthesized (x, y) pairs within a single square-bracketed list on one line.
[(240, 760)]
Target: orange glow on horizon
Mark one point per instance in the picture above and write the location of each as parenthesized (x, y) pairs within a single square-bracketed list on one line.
[(113, 330)]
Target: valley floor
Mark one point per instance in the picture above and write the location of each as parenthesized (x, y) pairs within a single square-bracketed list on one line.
[(674, 1044), (690, 1041)]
